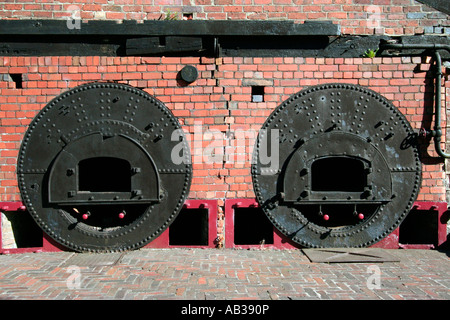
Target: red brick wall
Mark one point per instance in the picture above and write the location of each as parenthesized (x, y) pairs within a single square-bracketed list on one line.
[(392, 17), (220, 100)]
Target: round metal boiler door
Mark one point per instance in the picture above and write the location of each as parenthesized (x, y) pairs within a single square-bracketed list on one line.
[(336, 165), (96, 168)]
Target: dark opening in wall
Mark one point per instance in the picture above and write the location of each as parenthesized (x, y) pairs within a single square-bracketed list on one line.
[(420, 227), (17, 78), (257, 93), (190, 228), (104, 174), (338, 174), (25, 231), (251, 226)]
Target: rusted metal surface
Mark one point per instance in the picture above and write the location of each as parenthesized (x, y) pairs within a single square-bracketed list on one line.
[(95, 168), (349, 168)]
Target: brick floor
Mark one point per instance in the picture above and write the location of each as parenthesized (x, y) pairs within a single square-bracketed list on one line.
[(211, 274)]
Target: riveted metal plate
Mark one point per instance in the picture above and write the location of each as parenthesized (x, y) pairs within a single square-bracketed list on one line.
[(111, 132), (343, 168)]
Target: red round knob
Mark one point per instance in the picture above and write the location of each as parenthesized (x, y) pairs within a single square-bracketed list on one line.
[(121, 215), (360, 216), (85, 216), (326, 217)]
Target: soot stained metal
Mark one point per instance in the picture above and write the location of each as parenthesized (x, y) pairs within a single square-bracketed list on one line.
[(349, 168), (95, 168)]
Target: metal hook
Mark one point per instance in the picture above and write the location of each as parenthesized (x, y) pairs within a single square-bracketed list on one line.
[(324, 216), (360, 216)]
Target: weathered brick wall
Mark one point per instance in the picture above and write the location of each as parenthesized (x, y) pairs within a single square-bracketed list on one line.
[(391, 17), (219, 101)]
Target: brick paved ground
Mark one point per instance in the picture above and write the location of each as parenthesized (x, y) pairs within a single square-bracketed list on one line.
[(223, 274)]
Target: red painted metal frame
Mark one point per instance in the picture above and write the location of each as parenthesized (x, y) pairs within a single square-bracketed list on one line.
[(281, 242), (393, 240), (163, 240), (441, 208), (49, 245), (390, 242)]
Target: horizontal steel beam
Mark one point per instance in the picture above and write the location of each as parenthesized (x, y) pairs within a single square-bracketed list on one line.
[(213, 38), (169, 28)]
